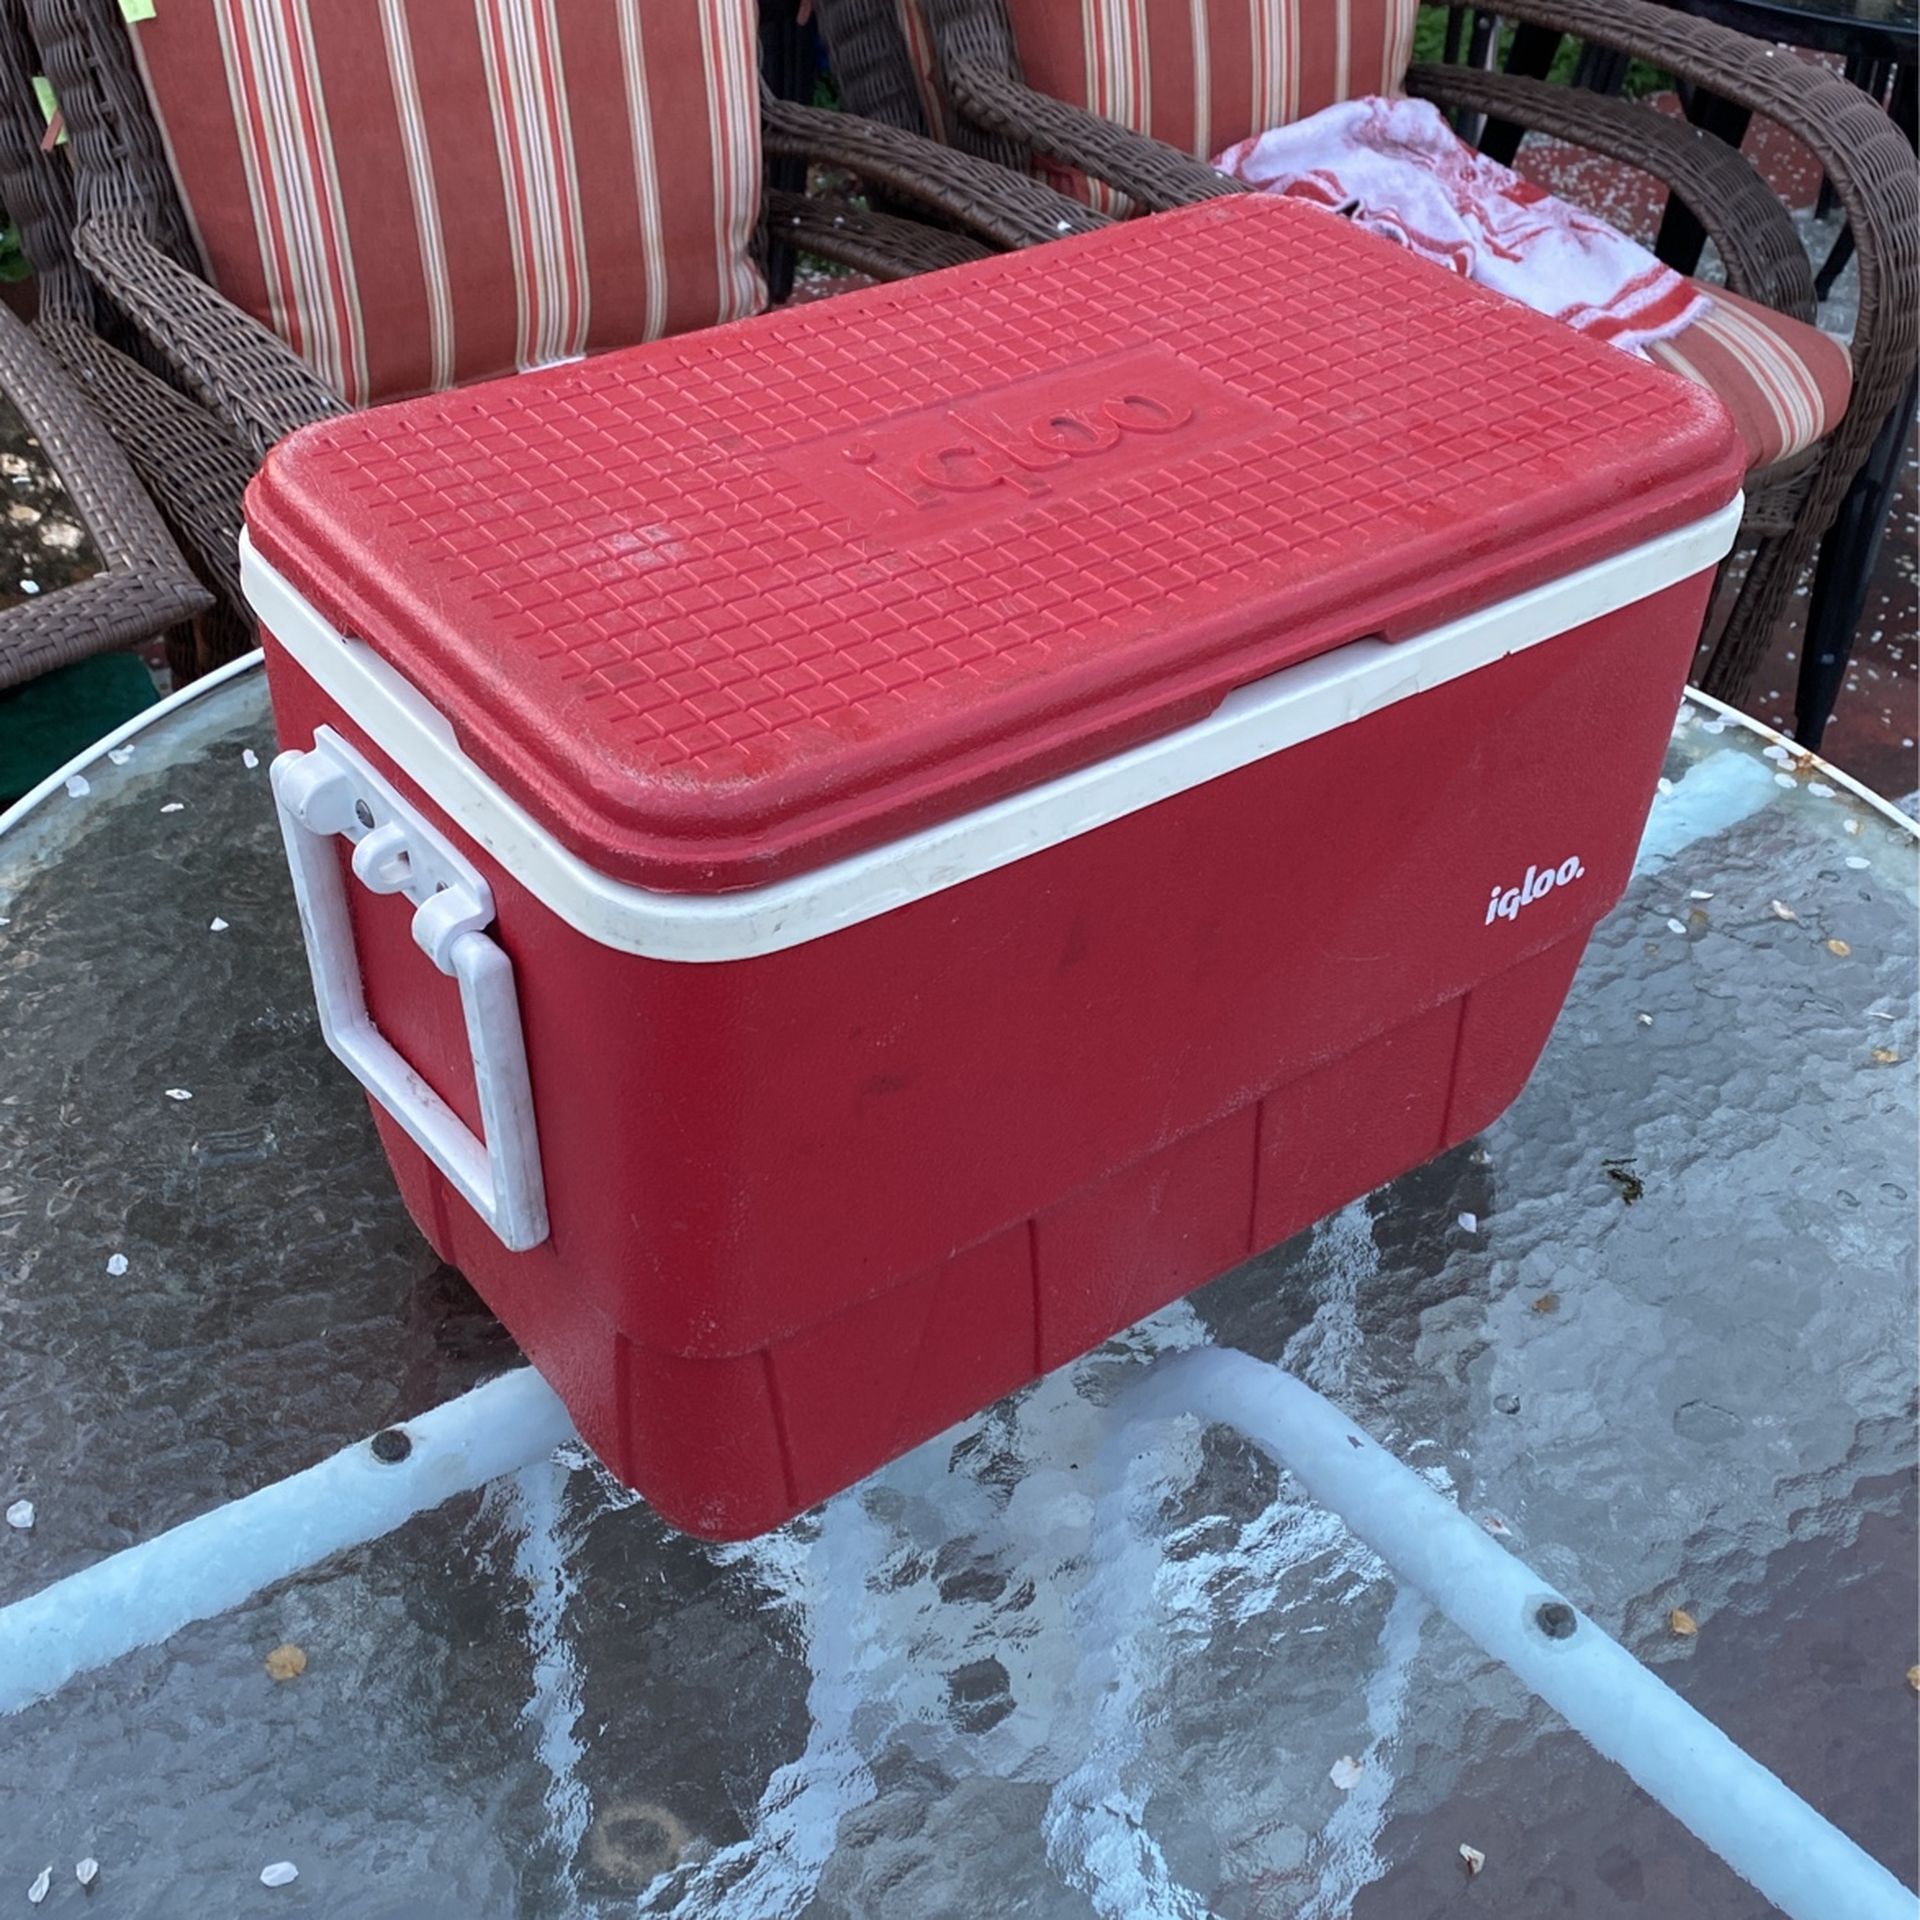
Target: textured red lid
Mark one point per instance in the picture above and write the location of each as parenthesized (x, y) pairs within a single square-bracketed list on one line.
[(730, 606)]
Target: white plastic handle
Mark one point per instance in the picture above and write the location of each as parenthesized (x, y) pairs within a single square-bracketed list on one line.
[(331, 791)]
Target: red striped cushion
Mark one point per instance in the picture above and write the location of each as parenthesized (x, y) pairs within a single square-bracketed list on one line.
[(1785, 383), (1201, 74), (418, 193)]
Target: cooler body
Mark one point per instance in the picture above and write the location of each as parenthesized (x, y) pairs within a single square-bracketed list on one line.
[(859, 852), (808, 1207)]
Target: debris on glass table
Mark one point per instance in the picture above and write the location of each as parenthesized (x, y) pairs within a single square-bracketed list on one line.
[(1621, 1173), (286, 1662)]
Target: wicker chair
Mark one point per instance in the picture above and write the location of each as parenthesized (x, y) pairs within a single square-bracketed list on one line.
[(219, 388), (143, 586), (965, 81), (140, 588)]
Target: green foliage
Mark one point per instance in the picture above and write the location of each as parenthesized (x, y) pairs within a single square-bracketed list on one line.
[(1429, 43), (14, 264)]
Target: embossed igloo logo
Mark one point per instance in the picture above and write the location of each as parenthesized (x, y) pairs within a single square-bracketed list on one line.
[(1020, 444), (1540, 881)]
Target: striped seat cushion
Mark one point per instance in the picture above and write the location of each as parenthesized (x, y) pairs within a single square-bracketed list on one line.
[(418, 193), (1198, 74), (1785, 383)]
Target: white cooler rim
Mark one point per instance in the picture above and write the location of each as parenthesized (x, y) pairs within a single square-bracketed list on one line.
[(1265, 717)]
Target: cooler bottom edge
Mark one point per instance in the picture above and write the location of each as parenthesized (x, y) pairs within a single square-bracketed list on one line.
[(727, 1448)]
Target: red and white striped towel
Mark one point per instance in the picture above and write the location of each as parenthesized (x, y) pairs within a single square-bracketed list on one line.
[(1404, 173)]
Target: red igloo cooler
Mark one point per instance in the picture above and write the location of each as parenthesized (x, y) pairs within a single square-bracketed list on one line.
[(860, 852)]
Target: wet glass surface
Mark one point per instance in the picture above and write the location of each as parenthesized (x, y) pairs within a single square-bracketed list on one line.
[(1659, 1324)]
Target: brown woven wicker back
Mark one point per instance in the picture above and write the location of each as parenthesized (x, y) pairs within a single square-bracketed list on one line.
[(885, 56), (119, 160), (36, 184)]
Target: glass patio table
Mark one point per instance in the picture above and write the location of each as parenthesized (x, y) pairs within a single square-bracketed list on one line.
[(1656, 1329)]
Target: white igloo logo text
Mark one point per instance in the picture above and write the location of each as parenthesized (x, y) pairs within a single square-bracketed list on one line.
[(1540, 881)]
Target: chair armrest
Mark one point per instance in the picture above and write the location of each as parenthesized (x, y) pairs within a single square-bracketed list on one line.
[(1756, 237), (251, 379), (1004, 208), (879, 244), (143, 586), (1152, 174), (194, 469), (1865, 157)]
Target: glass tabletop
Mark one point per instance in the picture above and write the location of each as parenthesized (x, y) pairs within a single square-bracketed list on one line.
[(44, 543), (1656, 1327)]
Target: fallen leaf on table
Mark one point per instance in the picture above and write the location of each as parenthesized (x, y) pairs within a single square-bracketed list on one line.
[(287, 1662), (38, 1891), (1913, 1678), (1781, 911), (1885, 1057), (1345, 1773), (1695, 893), (1469, 1223), (87, 1871), (1475, 1860), (20, 1516), (1683, 1623), (1547, 1303), (1839, 949), (283, 1873)]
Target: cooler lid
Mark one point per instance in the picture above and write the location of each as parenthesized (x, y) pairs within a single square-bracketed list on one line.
[(727, 607)]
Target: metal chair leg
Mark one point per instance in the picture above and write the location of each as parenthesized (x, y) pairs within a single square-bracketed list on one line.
[(789, 63), (1844, 573), (1681, 236)]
